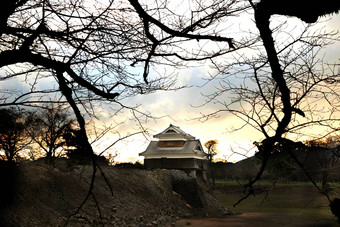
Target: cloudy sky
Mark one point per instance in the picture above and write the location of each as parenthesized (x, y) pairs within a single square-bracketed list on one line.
[(183, 107)]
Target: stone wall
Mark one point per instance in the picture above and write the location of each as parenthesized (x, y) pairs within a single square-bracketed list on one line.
[(193, 186), (175, 163)]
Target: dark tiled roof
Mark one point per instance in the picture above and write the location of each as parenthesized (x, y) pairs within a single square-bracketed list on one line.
[(173, 131), (193, 147)]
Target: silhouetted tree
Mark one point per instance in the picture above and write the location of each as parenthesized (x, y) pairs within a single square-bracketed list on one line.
[(327, 155), (47, 127), (13, 137), (282, 101), (75, 144), (75, 52), (272, 89), (280, 164), (80, 58), (76, 149), (211, 146)]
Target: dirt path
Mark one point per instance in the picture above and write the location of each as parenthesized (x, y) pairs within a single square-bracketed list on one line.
[(252, 219)]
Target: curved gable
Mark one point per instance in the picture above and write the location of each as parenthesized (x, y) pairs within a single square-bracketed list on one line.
[(173, 132)]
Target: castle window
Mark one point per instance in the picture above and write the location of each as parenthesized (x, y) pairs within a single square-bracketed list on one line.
[(171, 143)]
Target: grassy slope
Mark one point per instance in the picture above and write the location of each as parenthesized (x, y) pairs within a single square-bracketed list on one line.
[(287, 204)]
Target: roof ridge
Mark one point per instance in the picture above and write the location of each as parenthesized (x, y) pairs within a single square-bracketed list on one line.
[(178, 131)]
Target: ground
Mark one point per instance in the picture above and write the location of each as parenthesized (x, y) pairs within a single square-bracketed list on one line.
[(50, 196), (47, 196), (287, 204)]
